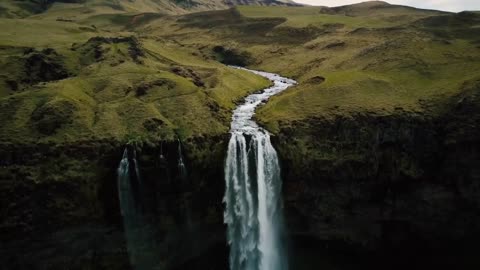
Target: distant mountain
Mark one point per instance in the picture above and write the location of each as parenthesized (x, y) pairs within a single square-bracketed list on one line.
[(376, 8), (25, 8)]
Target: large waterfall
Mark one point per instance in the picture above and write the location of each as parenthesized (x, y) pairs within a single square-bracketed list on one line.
[(253, 210)]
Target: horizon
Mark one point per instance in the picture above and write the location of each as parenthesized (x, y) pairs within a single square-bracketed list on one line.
[(443, 5)]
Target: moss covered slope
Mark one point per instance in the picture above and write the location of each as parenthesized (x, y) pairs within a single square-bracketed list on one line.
[(370, 57), (68, 82)]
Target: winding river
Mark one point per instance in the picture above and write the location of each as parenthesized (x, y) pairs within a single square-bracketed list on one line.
[(253, 204)]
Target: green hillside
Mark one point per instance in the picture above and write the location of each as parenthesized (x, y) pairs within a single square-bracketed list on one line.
[(75, 9), (68, 82), (114, 75), (369, 57)]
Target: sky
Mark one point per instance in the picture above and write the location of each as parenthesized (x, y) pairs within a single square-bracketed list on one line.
[(447, 5)]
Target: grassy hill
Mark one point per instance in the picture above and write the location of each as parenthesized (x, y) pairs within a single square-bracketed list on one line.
[(369, 57), (112, 73), (73, 9), (67, 82)]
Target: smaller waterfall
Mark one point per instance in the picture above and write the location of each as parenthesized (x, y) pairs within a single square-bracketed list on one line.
[(182, 169), (128, 205), (161, 157), (182, 172), (144, 203), (124, 187), (136, 235), (137, 171), (162, 164)]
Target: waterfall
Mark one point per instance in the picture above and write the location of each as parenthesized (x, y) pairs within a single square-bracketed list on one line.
[(124, 187), (181, 164), (137, 170), (253, 210), (126, 193), (134, 227)]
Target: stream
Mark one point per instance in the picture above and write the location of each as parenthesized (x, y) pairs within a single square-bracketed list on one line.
[(253, 203)]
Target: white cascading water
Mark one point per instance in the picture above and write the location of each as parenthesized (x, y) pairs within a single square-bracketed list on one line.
[(137, 170), (127, 203), (182, 169), (134, 230), (127, 206), (253, 210)]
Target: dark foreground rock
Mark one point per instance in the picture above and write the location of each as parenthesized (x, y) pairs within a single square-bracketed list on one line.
[(405, 186), (60, 208)]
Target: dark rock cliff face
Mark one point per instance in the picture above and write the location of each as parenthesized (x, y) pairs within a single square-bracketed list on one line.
[(399, 191), (60, 208), (405, 187)]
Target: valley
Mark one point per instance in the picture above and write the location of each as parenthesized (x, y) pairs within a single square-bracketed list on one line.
[(377, 142)]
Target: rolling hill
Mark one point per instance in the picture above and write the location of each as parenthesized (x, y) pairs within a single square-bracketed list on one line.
[(25, 8), (378, 141)]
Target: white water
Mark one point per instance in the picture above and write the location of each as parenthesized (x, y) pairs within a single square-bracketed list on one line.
[(135, 234), (137, 170), (182, 169), (253, 210), (127, 204)]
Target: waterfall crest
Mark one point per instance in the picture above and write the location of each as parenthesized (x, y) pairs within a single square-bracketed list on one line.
[(253, 210)]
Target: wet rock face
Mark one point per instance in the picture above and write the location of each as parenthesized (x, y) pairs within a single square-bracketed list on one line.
[(402, 183), (59, 204)]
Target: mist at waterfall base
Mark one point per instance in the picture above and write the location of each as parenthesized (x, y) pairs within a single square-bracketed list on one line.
[(253, 203)]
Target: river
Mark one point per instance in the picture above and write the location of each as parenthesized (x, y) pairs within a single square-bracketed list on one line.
[(253, 203)]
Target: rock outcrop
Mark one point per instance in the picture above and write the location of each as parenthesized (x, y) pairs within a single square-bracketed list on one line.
[(60, 206), (400, 186)]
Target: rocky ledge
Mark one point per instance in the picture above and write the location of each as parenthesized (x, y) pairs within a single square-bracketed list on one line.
[(404, 186)]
